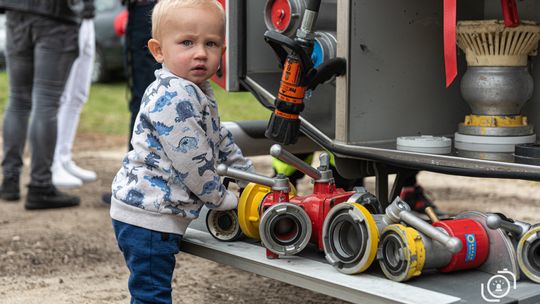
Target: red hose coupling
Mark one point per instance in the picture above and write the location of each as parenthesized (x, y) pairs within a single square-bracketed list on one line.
[(475, 243)]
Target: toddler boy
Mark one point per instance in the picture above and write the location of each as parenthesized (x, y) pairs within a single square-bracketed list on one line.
[(177, 143)]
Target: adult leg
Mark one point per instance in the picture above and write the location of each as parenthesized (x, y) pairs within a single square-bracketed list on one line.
[(55, 50), (65, 171), (140, 63), (20, 66)]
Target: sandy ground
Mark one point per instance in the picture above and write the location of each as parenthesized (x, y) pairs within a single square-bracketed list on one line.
[(70, 256)]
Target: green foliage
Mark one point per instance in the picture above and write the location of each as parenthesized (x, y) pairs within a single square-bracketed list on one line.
[(3, 91), (106, 111)]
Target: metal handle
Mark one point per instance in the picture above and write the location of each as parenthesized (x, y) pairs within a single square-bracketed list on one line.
[(278, 152), (399, 210), (223, 170), (391, 215), (453, 244), (494, 221), (324, 160)]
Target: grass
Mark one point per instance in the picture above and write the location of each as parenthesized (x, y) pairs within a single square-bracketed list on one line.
[(106, 111)]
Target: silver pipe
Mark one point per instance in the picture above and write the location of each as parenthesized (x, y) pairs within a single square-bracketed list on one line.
[(278, 152), (437, 255), (223, 170), (399, 210), (308, 22), (451, 243)]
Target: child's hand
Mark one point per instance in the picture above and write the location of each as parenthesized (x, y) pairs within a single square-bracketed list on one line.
[(230, 201)]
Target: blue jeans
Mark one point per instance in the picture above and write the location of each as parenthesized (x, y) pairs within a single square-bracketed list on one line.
[(150, 259)]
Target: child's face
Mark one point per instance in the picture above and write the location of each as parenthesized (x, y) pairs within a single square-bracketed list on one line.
[(190, 42)]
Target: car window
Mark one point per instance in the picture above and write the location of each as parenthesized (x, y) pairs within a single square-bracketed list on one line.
[(103, 5)]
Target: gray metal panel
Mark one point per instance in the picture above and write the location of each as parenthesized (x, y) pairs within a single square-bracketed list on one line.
[(233, 54), (397, 84), (259, 56)]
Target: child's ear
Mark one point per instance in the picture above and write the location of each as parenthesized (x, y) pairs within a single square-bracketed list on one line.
[(224, 49), (155, 48)]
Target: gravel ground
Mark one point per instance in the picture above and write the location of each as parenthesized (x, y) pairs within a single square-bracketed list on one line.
[(70, 255)]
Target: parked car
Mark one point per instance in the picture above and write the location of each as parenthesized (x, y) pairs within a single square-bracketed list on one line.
[(2, 42), (109, 59)]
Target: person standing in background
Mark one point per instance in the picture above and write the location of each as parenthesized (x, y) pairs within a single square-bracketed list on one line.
[(41, 47), (140, 64), (65, 173)]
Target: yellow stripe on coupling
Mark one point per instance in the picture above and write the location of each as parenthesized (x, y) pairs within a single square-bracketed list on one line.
[(524, 253), (412, 254), (350, 238), (248, 208), (495, 121), (373, 241)]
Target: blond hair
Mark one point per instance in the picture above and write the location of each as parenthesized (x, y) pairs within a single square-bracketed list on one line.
[(163, 6)]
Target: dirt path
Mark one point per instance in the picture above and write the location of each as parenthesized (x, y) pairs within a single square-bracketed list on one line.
[(70, 256)]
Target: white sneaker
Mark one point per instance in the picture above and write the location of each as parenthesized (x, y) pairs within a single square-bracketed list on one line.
[(80, 173), (63, 179)]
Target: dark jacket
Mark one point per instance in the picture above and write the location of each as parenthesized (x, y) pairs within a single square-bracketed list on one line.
[(89, 10), (66, 10)]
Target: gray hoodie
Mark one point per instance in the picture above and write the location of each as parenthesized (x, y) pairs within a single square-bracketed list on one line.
[(177, 143)]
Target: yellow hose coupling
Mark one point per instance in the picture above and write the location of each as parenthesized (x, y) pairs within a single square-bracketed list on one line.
[(401, 252)]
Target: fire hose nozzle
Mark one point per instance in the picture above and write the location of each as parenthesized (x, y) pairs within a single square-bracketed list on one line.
[(400, 211), (517, 228), (274, 183)]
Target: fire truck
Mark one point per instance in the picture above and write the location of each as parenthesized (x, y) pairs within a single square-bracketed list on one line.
[(387, 87)]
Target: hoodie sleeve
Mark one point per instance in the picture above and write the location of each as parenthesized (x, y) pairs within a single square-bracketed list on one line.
[(185, 143)]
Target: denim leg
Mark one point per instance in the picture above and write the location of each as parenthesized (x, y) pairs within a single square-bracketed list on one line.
[(150, 258), (140, 62), (20, 66), (55, 51), (40, 52)]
